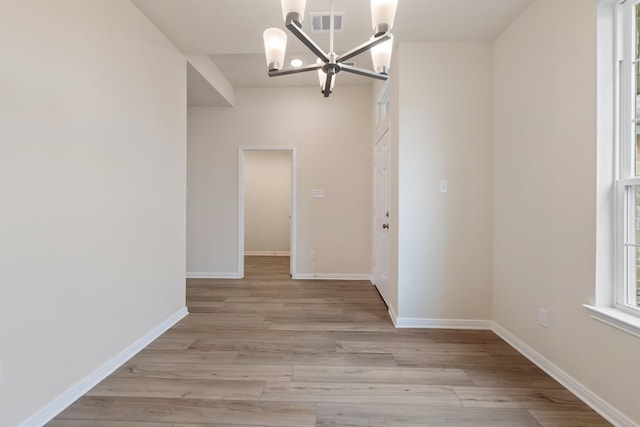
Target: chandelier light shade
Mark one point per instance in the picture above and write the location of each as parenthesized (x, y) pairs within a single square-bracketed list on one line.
[(383, 13), (329, 64), (381, 56), (275, 45), (322, 77), (293, 6)]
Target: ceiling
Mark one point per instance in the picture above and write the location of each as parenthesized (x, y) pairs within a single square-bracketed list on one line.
[(230, 31)]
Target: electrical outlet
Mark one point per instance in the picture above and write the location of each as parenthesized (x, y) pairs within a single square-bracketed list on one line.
[(1, 375), (543, 318), (312, 256), (444, 186)]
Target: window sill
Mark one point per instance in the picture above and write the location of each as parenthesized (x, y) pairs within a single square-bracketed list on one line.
[(616, 318)]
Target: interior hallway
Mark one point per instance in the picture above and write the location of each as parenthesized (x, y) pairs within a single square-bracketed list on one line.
[(271, 351)]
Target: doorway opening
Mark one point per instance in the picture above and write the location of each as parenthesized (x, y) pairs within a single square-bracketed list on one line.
[(266, 204)]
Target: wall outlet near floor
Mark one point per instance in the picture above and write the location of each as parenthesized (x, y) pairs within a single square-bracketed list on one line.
[(543, 318), (312, 255), (1, 375)]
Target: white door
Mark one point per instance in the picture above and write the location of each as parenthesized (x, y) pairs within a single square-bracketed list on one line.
[(381, 215)]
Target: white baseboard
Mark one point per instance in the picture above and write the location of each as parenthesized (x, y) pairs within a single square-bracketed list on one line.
[(59, 404), (414, 322), (393, 315), (311, 276), (267, 253), (208, 275), (610, 413)]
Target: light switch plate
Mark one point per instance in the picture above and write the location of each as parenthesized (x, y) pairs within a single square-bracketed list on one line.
[(317, 193)]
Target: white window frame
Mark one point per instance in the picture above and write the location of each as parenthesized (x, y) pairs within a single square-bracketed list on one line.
[(611, 303), (626, 181)]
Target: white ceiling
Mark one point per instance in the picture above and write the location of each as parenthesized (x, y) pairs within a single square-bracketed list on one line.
[(230, 31)]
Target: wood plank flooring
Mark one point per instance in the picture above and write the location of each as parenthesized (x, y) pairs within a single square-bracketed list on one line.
[(270, 351)]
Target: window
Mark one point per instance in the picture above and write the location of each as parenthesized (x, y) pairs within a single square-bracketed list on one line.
[(618, 270), (616, 301), (627, 295), (627, 200)]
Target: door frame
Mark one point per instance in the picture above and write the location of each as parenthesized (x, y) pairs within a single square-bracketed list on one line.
[(293, 222)]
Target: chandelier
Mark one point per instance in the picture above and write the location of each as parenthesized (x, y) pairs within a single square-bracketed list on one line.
[(328, 65)]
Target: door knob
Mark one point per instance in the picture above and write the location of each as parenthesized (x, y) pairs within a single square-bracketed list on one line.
[(385, 226)]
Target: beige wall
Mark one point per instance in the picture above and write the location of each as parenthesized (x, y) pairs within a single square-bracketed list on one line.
[(92, 191), (441, 129), (267, 201), (333, 152), (544, 180)]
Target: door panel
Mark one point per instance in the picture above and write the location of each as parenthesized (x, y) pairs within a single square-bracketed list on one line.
[(381, 215)]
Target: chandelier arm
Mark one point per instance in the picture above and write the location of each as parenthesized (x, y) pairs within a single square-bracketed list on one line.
[(328, 84), (363, 72), (364, 47), (285, 71), (297, 31)]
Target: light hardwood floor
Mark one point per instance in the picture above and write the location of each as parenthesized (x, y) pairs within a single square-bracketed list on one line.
[(270, 351)]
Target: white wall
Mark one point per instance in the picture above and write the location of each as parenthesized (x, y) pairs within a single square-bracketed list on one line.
[(544, 181), (442, 104), (267, 201), (333, 141), (92, 191)]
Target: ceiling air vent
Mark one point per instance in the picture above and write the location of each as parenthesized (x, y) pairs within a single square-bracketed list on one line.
[(321, 21)]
